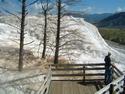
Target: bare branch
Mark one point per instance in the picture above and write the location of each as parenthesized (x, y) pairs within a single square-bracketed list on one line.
[(29, 42), (66, 35), (14, 41), (26, 13), (32, 3), (12, 14), (67, 42), (13, 26)]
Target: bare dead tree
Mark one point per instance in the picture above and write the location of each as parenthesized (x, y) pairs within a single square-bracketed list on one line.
[(20, 66), (59, 16), (45, 10), (24, 13), (59, 2)]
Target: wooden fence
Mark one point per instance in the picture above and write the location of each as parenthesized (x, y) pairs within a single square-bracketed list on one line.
[(93, 72), (85, 72)]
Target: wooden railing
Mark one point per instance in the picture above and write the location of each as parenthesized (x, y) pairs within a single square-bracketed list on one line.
[(44, 89), (117, 72), (85, 72), (116, 87)]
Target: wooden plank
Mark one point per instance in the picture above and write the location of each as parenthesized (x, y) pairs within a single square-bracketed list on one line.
[(84, 71), (69, 87), (75, 88), (92, 89), (91, 64), (82, 89), (87, 80), (54, 88), (76, 69), (65, 69), (97, 68), (93, 74)]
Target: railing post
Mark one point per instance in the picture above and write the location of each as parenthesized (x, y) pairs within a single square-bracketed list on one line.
[(124, 86), (111, 89), (113, 71), (84, 73)]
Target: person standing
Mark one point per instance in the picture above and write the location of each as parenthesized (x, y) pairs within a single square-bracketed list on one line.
[(108, 69)]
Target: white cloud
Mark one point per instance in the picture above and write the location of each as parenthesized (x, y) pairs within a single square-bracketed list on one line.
[(37, 6), (119, 9), (88, 9)]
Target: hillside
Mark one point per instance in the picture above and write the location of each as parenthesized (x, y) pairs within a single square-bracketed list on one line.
[(95, 18), (115, 21), (113, 34), (80, 43)]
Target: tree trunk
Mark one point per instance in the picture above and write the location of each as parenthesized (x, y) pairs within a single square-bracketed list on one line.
[(58, 33), (21, 52), (44, 39)]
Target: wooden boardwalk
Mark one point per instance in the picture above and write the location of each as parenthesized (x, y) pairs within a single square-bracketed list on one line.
[(74, 87), (79, 78)]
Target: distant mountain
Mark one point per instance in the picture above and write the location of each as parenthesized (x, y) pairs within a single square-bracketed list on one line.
[(116, 20), (79, 14), (94, 18)]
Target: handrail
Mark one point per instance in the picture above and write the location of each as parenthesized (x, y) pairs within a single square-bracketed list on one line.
[(44, 89), (89, 64), (80, 70), (117, 85), (120, 72)]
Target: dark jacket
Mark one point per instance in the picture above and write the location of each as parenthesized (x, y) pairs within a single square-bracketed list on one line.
[(107, 61)]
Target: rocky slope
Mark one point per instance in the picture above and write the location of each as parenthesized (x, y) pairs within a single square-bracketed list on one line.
[(80, 43), (80, 40)]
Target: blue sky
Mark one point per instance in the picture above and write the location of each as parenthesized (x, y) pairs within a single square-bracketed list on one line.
[(103, 6), (90, 6)]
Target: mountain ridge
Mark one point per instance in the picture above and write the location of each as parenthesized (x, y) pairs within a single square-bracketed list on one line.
[(116, 20), (94, 18)]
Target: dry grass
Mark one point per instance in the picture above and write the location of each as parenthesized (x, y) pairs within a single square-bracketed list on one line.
[(9, 59), (62, 60)]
